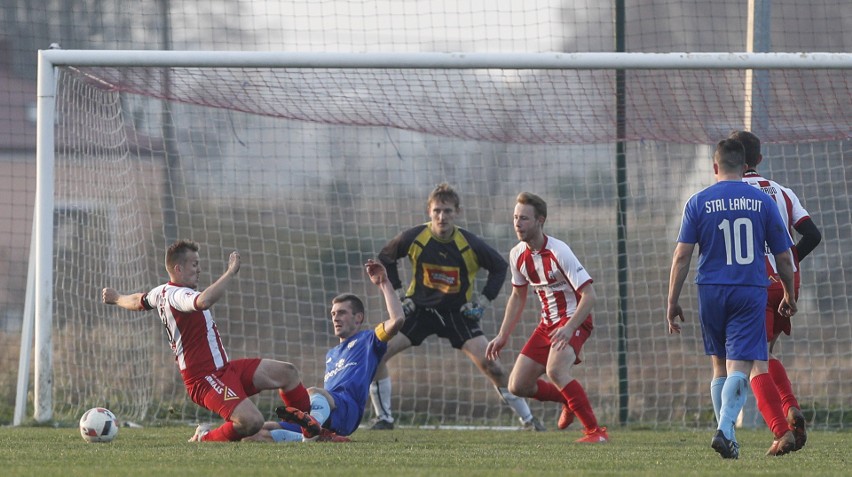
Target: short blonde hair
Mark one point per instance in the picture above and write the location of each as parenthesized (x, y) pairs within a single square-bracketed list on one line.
[(538, 204), (444, 192)]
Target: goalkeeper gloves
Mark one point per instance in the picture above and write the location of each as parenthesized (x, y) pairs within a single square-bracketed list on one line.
[(474, 309), (407, 303)]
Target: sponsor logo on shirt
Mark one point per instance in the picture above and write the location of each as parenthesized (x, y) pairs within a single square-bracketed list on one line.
[(339, 368), (220, 388), (442, 278)]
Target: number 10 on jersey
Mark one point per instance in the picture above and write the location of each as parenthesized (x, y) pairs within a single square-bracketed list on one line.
[(735, 233)]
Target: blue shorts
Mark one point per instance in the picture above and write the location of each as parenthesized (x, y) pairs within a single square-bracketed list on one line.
[(347, 414), (733, 321)]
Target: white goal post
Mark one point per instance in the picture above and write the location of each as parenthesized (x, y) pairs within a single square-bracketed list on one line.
[(491, 131)]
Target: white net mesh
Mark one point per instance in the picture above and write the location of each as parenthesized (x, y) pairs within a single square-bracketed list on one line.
[(309, 172)]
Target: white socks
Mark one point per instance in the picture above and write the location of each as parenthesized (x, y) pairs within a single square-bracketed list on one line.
[(519, 405), (380, 395)]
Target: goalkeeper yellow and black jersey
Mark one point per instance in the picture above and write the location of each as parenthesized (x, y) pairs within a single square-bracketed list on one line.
[(443, 271)]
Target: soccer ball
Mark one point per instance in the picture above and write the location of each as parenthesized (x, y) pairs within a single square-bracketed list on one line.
[(98, 425)]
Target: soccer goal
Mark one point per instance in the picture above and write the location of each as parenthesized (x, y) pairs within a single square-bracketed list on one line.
[(307, 163)]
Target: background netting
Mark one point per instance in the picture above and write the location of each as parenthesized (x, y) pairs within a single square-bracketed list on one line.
[(351, 159), (309, 172)]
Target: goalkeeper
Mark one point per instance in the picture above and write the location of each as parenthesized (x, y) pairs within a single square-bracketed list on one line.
[(440, 299)]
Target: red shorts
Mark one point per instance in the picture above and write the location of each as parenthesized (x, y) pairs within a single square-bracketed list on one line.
[(776, 323), (538, 346), (222, 390)]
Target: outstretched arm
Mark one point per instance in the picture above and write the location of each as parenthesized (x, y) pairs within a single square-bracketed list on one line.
[(378, 275), (395, 249), (214, 292), (497, 266), (680, 268), (132, 302)]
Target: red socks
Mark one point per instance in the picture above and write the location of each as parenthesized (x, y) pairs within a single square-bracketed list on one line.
[(547, 391), (296, 397), (782, 384), (769, 404), (577, 400), (573, 395), (223, 433)]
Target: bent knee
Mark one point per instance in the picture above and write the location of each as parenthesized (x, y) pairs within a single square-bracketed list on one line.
[(248, 425), (522, 389), (287, 374), (559, 377), (495, 371)]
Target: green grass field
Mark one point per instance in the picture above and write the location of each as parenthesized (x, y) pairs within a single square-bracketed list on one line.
[(163, 451)]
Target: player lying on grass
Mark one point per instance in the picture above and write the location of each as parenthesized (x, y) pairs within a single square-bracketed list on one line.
[(337, 408), (212, 380)]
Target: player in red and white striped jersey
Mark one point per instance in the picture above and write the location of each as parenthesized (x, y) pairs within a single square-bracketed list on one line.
[(211, 379), (564, 289), (798, 219)]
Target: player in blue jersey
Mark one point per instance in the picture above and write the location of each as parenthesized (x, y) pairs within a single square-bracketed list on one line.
[(730, 221), (337, 407)]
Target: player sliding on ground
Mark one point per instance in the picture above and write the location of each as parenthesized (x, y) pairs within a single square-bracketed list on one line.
[(212, 380), (565, 291), (337, 409)]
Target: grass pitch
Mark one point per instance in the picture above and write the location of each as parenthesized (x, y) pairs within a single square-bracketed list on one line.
[(163, 451)]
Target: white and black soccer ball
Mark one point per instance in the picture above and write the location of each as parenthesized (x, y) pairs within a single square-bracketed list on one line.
[(98, 425)]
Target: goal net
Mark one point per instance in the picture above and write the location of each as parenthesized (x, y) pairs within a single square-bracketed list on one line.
[(308, 170)]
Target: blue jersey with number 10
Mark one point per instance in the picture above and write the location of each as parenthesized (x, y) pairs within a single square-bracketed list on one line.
[(732, 223)]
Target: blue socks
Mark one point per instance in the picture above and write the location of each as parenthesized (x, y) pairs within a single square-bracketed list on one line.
[(716, 395), (733, 399), (284, 435), (320, 408)]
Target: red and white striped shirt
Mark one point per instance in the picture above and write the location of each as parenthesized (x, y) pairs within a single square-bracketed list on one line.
[(792, 212), (192, 333), (555, 275)]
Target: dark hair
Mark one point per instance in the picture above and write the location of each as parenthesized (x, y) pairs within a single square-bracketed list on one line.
[(178, 250), (355, 302), (445, 193), (751, 144), (538, 204), (730, 155)]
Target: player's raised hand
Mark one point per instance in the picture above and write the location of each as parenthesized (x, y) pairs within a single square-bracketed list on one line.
[(376, 271), (234, 262), (109, 296), (673, 312)]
